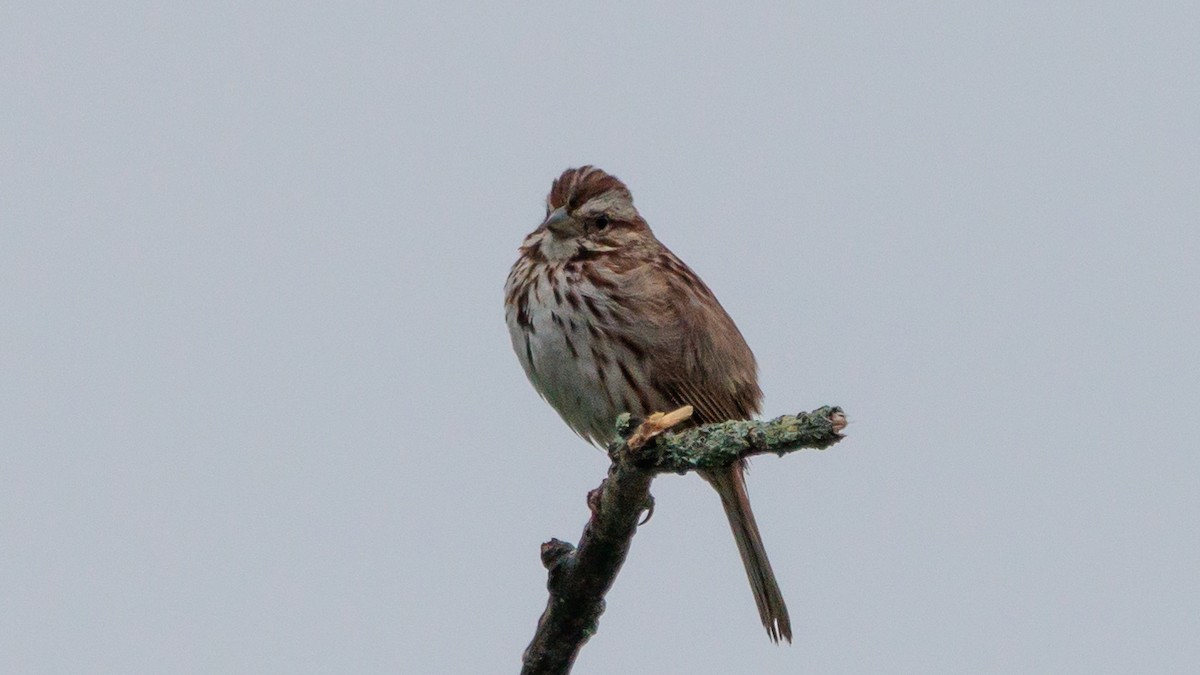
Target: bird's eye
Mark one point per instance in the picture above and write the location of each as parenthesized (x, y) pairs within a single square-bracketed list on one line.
[(601, 221)]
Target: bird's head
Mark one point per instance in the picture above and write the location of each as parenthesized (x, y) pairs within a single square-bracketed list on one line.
[(589, 210)]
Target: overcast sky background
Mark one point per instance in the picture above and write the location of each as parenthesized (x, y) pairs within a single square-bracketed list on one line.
[(259, 412)]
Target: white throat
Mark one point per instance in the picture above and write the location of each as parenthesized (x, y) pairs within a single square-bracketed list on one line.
[(556, 249)]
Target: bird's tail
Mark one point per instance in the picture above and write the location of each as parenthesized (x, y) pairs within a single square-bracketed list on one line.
[(730, 484)]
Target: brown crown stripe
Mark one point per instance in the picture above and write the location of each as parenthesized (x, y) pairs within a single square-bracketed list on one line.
[(576, 186)]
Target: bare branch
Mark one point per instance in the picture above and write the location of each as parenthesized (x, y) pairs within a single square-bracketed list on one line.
[(580, 577)]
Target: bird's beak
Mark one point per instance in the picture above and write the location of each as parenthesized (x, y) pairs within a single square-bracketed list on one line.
[(561, 224)]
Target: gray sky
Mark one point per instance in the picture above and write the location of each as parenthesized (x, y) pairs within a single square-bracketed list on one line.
[(260, 414)]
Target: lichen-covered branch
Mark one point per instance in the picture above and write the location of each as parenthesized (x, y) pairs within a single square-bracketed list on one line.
[(716, 445), (580, 577)]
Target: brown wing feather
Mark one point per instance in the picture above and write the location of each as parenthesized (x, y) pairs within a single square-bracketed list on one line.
[(701, 359)]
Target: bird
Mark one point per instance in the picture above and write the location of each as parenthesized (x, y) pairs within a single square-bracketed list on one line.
[(606, 320)]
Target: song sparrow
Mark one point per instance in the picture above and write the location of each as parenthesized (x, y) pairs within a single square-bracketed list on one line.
[(606, 320)]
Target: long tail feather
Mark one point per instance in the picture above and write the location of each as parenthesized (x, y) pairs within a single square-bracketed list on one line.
[(731, 486)]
